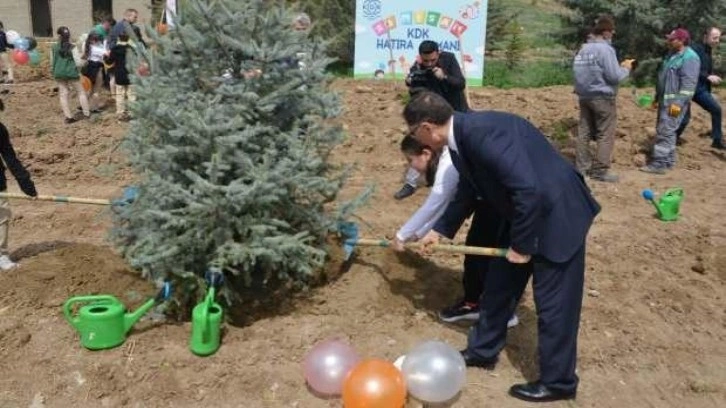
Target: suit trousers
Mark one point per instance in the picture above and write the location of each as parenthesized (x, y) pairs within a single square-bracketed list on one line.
[(558, 291), (487, 230)]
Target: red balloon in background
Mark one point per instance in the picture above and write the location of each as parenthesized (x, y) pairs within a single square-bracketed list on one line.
[(21, 57)]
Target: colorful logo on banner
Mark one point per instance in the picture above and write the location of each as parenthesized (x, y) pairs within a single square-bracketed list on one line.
[(429, 18), (372, 9)]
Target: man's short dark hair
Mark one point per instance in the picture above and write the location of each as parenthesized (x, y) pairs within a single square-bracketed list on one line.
[(427, 107), (427, 47)]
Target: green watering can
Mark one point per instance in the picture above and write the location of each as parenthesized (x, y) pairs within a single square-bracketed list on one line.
[(207, 319), (645, 101), (103, 322), (669, 204)]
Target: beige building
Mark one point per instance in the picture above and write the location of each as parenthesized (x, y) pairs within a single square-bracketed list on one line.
[(41, 18)]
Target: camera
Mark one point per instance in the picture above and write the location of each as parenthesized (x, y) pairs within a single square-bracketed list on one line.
[(420, 74)]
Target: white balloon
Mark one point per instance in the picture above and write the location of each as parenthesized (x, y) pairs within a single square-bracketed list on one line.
[(327, 364), (11, 36), (434, 372)]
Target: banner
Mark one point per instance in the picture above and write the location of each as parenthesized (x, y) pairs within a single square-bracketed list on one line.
[(388, 33)]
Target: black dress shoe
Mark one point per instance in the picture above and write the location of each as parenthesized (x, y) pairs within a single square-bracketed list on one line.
[(406, 191), (472, 361), (537, 392)]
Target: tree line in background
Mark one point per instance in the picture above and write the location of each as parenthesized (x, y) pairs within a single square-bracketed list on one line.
[(641, 26)]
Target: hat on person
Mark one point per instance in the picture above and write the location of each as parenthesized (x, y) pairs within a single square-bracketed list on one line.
[(680, 34)]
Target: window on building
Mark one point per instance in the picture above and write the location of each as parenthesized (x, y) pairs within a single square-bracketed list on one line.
[(40, 18), (102, 9)]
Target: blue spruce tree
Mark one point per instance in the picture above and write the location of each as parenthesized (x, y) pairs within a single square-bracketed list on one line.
[(231, 140)]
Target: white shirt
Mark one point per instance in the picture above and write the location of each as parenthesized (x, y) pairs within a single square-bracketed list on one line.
[(442, 192), (97, 52), (451, 142)]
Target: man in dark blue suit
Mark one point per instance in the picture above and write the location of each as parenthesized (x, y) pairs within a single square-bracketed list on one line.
[(506, 162)]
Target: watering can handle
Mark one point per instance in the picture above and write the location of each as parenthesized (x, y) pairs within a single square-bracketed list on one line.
[(84, 299), (208, 302)]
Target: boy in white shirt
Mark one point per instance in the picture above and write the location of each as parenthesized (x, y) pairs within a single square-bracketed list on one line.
[(439, 167)]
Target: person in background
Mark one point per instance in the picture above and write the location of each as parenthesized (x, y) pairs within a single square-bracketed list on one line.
[(123, 91), (676, 85), (706, 79), (22, 176), (94, 54), (64, 61), (443, 178), (103, 29), (126, 25), (7, 65), (439, 72), (597, 75)]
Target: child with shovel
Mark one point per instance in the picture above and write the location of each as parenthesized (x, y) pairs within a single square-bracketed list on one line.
[(22, 176), (443, 178)]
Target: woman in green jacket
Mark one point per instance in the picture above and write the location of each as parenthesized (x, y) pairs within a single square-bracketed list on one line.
[(65, 60)]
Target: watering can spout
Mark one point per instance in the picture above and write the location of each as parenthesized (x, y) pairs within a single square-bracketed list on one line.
[(131, 318)]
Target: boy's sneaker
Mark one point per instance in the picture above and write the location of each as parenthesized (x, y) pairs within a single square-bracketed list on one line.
[(461, 311), (6, 264), (70, 120)]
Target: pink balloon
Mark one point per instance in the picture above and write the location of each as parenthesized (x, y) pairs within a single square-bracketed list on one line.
[(326, 365)]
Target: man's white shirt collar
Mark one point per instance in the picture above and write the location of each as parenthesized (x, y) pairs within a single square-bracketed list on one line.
[(451, 142)]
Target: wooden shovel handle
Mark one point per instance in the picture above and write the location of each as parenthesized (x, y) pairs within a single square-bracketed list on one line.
[(58, 199), (455, 249)]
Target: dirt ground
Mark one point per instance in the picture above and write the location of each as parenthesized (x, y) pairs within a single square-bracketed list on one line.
[(653, 328)]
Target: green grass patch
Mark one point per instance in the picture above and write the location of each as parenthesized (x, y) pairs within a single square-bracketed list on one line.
[(530, 74)]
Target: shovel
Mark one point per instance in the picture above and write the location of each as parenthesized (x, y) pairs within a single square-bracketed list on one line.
[(129, 195), (349, 232)]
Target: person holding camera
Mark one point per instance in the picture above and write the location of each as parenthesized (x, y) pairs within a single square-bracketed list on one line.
[(439, 72)]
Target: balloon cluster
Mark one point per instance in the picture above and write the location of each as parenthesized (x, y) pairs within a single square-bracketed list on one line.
[(25, 48), (432, 372)]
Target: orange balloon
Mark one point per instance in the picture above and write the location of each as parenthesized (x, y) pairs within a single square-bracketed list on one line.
[(374, 384), (86, 82)]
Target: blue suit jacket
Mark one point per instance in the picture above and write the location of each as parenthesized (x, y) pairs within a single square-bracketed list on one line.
[(507, 162)]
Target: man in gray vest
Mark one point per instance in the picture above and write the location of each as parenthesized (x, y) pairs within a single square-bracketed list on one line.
[(597, 75)]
